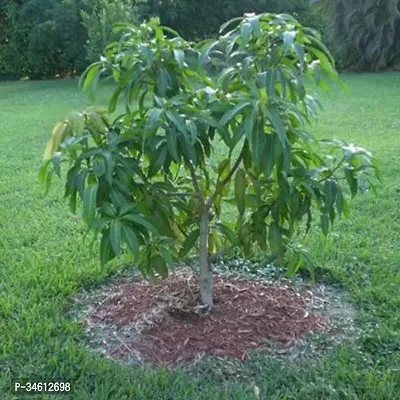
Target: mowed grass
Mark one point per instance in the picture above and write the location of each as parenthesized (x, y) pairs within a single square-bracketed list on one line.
[(43, 261)]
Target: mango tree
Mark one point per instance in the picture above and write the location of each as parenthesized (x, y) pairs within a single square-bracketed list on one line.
[(146, 169)]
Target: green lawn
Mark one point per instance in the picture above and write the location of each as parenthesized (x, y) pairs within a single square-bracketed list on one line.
[(43, 261)]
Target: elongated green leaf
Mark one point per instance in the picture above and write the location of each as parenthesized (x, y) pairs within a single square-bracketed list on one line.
[(114, 99), (272, 152), (109, 209), (89, 203), (325, 223), (172, 144), (99, 166), (230, 235), (180, 58), (159, 265), (240, 190), (232, 112), (351, 180), (115, 236), (166, 255), (128, 208), (158, 160), (177, 120), (44, 169), (106, 252), (275, 240), (154, 119), (288, 38), (163, 81), (138, 219), (88, 75), (330, 192), (193, 132), (257, 143), (246, 32), (223, 167), (276, 121), (189, 242), (230, 22), (247, 162), (131, 240)]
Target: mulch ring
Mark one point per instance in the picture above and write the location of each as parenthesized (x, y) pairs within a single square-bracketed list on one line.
[(171, 326)]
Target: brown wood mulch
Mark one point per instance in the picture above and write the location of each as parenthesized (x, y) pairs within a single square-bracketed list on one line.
[(174, 327)]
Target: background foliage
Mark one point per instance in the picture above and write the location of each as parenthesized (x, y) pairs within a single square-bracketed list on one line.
[(43, 38), (366, 33)]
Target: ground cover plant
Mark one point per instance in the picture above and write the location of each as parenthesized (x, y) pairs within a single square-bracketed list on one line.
[(43, 262)]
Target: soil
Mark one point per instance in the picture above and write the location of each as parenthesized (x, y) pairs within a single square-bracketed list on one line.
[(171, 326)]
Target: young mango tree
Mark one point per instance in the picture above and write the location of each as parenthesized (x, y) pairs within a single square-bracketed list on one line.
[(146, 169)]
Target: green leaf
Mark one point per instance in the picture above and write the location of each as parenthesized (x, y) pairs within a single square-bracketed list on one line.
[(351, 180), (131, 240), (172, 144), (99, 166), (274, 117), (257, 142), (223, 167), (325, 223), (230, 235), (138, 219), (232, 112), (114, 99), (88, 75), (106, 252), (288, 38), (158, 159), (153, 121), (44, 171), (159, 265), (330, 192), (300, 53), (272, 151), (230, 22), (166, 255), (189, 242), (89, 203), (115, 236), (240, 190), (193, 132), (109, 209), (275, 240), (177, 120), (163, 81), (246, 32), (180, 58), (246, 155)]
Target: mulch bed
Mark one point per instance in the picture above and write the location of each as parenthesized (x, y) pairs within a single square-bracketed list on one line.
[(173, 327)]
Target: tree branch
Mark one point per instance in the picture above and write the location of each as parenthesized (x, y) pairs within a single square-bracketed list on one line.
[(221, 185), (334, 170)]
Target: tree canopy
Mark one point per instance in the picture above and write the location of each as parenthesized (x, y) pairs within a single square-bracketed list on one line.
[(148, 177)]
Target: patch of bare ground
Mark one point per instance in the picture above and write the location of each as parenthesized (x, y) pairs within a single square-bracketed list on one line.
[(165, 324)]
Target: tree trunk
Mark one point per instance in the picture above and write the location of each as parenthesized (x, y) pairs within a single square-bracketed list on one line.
[(206, 275)]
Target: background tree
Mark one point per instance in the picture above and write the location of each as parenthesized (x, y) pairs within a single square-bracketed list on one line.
[(44, 38), (148, 178), (99, 18), (199, 20), (369, 29)]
